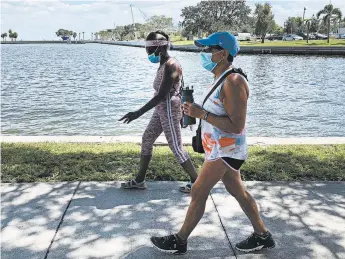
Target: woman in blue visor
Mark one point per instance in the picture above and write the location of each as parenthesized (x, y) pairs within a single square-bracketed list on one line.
[(223, 134)]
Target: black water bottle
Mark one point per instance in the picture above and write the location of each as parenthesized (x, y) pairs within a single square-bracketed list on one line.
[(187, 96)]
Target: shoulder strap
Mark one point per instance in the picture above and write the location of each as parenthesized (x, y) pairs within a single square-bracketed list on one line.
[(219, 81), (222, 78)]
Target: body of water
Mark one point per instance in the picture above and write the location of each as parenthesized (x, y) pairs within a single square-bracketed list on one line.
[(84, 89)]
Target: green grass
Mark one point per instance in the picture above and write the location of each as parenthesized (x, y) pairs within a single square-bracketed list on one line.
[(103, 162), (299, 43)]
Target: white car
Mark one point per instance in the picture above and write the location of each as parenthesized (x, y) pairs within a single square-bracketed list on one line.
[(339, 36), (243, 36), (291, 37)]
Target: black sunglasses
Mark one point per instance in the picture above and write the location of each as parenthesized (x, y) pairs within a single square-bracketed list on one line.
[(210, 49)]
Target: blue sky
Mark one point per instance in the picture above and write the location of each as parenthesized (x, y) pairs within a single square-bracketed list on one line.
[(39, 19)]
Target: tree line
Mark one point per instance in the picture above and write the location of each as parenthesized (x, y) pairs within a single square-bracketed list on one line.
[(207, 17), (138, 30), (11, 34)]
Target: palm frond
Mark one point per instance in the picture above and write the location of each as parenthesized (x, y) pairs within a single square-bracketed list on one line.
[(337, 12), (320, 13)]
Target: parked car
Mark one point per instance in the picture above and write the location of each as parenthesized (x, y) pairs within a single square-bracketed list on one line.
[(305, 36), (290, 37), (320, 36), (243, 36), (274, 37), (339, 36)]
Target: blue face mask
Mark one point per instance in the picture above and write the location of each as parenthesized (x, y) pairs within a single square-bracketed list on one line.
[(153, 58), (206, 61)]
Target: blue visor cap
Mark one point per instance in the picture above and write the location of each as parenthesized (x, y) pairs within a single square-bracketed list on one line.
[(223, 39)]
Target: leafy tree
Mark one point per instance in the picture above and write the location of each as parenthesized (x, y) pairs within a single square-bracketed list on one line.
[(294, 24), (264, 20), (210, 16), (15, 36), (10, 34), (3, 36), (63, 33), (159, 23)]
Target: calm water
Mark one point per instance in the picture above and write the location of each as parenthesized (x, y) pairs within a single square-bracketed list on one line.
[(85, 89)]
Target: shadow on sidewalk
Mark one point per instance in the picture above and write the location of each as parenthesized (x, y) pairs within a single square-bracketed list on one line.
[(306, 218)]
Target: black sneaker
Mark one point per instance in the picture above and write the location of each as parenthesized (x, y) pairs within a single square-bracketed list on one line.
[(170, 244), (256, 243)]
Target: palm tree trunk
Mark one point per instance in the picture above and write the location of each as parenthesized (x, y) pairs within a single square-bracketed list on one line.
[(308, 26), (328, 29)]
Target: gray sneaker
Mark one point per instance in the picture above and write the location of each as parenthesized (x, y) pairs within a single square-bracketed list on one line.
[(187, 188), (132, 184)]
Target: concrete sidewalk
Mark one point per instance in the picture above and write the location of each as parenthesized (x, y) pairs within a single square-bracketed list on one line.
[(100, 220)]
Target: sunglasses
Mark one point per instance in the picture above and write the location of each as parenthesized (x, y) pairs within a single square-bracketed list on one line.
[(150, 50), (211, 49)]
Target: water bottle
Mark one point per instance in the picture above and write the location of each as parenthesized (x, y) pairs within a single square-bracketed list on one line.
[(187, 96)]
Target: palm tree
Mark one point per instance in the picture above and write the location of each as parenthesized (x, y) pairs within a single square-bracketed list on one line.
[(10, 34), (3, 36), (307, 22), (329, 12), (75, 35)]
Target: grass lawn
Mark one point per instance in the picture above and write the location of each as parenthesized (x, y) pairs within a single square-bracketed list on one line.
[(106, 162), (298, 43)]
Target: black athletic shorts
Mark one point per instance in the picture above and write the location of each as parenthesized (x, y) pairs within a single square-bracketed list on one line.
[(234, 163)]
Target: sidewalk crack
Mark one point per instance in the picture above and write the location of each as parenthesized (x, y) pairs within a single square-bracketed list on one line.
[(61, 221), (221, 222)]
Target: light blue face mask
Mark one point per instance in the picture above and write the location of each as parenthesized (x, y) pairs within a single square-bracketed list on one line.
[(206, 61), (153, 58)]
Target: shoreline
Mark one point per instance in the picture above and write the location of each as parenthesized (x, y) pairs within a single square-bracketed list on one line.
[(270, 50), (300, 50), (252, 141)]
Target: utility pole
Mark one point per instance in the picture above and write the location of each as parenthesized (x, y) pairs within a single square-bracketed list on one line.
[(304, 12), (135, 37), (303, 18)]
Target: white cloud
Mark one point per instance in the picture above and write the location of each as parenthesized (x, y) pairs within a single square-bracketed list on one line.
[(37, 19)]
